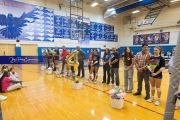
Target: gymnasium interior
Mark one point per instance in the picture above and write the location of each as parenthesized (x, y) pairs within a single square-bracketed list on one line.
[(29, 27)]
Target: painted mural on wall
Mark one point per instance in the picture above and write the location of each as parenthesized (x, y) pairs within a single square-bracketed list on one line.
[(26, 22), (155, 38)]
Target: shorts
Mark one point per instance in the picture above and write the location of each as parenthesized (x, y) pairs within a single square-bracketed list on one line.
[(97, 65), (56, 58), (157, 76)]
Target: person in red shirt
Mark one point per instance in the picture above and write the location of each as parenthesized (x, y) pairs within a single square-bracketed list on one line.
[(7, 84), (63, 58)]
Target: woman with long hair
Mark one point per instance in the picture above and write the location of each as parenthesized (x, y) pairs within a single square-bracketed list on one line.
[(128, 70), (156, 74), (106, 67), (90, 61), (94, 66)]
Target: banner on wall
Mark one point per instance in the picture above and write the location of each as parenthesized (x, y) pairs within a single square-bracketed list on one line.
[(155, 38), (26, 22)]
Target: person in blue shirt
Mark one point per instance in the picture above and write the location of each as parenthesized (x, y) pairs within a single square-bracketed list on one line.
[(106, 67)]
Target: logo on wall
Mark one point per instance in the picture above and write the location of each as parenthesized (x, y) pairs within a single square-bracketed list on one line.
[(26, 22)]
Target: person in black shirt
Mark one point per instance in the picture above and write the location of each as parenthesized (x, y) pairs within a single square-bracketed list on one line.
[(95, 66), (128, 70), (56, 58), (114, 64), (156, 75)]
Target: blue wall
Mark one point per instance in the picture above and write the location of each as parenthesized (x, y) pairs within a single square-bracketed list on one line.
[(136, 49), (40, 56)]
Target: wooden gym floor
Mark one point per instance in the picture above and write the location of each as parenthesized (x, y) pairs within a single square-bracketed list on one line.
[(47, 97)]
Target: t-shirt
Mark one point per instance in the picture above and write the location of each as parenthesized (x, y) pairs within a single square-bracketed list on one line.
[(6, 82), (128, 60), (95, 58), (106, 58), (161, 63), (113, 57)]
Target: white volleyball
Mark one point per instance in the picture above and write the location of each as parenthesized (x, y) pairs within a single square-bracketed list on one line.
[(49, 71)]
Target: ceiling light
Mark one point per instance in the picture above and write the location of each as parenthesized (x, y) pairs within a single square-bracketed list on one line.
[(174, 0), (111, 9), (136, 11), (140, 0), (94, 4), (106, 0)]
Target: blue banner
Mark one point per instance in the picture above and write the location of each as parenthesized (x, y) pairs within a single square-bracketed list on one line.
[(26, 22), (19, 60)]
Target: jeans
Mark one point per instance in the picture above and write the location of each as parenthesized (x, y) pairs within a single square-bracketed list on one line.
[(128, 78), (106, 69), (116, 72)]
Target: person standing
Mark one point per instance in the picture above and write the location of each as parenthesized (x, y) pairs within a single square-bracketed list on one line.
[(156, 75), (63, 58), (81, 60), (45, 58), (94, 66), (89, 63), (56, 59), (106, 67), (114, 64), (141, 64), (128, 70), (170, 69)]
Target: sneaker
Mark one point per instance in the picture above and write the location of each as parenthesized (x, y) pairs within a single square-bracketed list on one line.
[(95, 81), (88, 81), (116, 86), (157, 103), (151, 99), (2, 98), (110, 84), (23, 85), (128, 91), (147, 97)]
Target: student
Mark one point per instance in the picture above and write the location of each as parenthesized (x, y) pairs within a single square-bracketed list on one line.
[(68, 67), (128, 70), (156, 75), (89, 63), (106, 68), (56, 59), (7, 84), (50, 58), (94, 67)]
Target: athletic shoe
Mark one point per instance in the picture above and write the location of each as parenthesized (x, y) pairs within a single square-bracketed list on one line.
[(88, 80), (95, 81), (151, 99), (157, 103)]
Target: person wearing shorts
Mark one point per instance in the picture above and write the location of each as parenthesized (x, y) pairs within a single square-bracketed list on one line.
[(155, 75), (94, 66)]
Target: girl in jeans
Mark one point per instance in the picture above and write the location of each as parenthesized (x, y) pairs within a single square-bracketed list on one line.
[(106, 67), (128, 70)]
